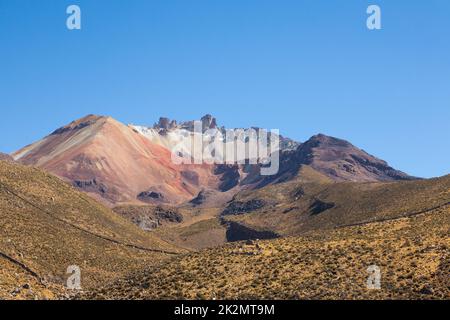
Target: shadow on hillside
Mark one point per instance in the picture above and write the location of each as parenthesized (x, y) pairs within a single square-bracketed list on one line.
[(238, 232)]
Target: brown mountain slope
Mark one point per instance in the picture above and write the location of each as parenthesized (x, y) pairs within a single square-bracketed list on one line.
[(337, 159), (47, 226), (342, 161), (412, 254), (115, 163)]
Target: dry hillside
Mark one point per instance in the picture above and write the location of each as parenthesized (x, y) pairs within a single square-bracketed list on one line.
[(46, 226), (413, 255), (332, 232)]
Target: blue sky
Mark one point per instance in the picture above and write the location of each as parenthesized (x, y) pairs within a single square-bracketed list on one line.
[(301, 66)]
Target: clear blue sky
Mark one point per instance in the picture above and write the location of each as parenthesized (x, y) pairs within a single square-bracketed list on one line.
[(301, 66)]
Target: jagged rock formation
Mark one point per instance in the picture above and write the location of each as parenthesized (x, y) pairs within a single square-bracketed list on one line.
[(239, 207), (149, 218)]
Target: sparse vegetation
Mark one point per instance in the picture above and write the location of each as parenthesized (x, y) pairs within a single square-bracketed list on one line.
[(403, 228), (46, 226), (413, 254)]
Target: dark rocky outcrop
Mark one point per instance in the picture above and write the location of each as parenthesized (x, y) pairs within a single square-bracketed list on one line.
[(230, 176), (165, 124), (191, 176), (91, 185), (298, 194), (150, 196), (78, 124), (168, 215), (319, 206), (239, 207), (208, 122), (148, 217), (238, 232), (200, 198)]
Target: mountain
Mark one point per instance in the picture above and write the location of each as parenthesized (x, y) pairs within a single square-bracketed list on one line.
[(47, 225), (342, 161), (124, 164), (337, 159), (170, 133), (115, 163)]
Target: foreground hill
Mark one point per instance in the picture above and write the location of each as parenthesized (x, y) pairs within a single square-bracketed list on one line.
[(324, 237), (331, 233), (413, 254), (47, 226)]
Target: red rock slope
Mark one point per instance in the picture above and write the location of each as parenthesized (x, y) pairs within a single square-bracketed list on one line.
[(115, 163)]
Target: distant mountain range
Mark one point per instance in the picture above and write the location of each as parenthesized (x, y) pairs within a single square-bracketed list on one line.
[(120, 163)]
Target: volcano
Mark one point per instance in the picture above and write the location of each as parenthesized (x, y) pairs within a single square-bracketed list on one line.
[(118, 163)]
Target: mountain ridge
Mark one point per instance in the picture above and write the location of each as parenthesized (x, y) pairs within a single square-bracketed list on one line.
[(119, 163)]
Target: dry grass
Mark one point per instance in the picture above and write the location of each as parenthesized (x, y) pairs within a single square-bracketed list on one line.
[(290, 206), (46, 226), (413, 254)]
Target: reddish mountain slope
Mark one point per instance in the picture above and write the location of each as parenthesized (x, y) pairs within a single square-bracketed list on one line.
[(104, 157)]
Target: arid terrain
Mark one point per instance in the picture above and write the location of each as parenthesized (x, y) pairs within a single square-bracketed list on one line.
[(46, 226), (106, 197), (413, 255)]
